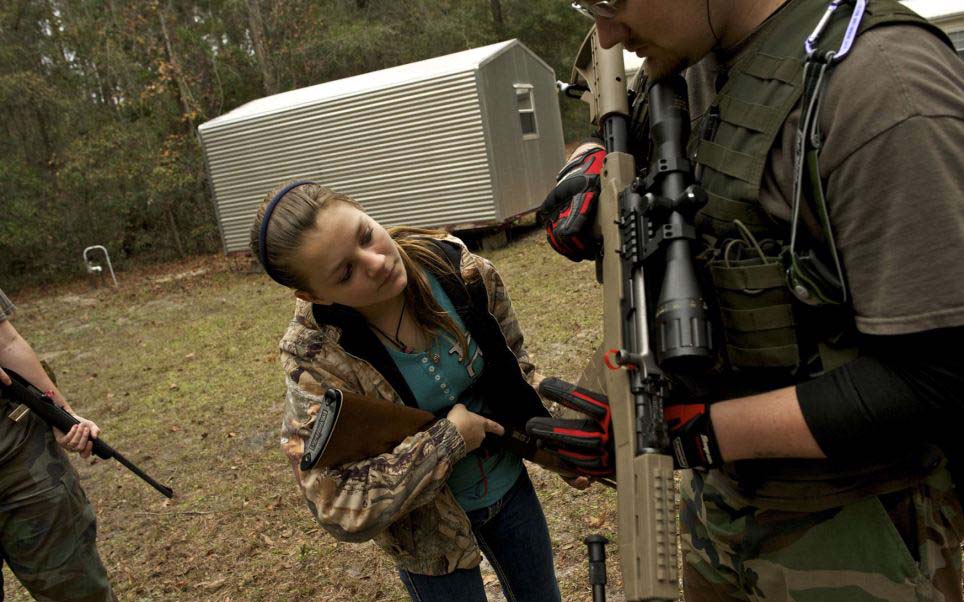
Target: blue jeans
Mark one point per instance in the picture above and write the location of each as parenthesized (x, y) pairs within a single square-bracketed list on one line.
[(513, 535)]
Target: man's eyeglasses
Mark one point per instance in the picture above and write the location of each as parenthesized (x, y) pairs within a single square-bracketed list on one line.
[(606, 9)]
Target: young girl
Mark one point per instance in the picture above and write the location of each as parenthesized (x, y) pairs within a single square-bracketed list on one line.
[(410, 316)]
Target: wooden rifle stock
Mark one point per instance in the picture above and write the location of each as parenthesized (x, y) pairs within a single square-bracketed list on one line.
[(350, 427)]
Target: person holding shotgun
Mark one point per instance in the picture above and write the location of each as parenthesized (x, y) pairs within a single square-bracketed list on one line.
[(47, 526), (829, 139), (412, 317)]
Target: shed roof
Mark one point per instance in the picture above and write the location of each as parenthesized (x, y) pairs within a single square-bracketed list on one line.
[(376, 80)]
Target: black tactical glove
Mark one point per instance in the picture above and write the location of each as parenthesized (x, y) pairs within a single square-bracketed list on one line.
[(584, 444), (692, 440), (568, 210)]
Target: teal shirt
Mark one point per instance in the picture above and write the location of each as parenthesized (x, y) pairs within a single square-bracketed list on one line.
[(438, 378)]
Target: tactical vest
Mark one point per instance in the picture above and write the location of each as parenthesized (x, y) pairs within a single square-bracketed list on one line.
[(769, 338), (767, 330)]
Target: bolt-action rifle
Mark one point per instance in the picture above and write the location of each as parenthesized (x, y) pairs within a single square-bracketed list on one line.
[(21, 391), (645, 220)]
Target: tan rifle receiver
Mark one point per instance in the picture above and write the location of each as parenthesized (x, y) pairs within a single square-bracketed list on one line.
[(648, 537)]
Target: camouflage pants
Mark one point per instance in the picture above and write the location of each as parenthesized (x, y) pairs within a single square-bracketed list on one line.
[(47, 526), (903, 546)]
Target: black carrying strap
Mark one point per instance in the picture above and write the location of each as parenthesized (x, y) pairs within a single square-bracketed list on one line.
[(810, 279)]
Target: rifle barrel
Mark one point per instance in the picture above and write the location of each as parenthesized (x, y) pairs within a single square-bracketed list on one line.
[(22, 391), (166, 491)]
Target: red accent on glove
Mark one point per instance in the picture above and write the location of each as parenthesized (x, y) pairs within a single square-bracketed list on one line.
[(568, 210), (678, 415), (586, 444)]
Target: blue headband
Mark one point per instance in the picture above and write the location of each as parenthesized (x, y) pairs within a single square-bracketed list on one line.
[(262, 243)]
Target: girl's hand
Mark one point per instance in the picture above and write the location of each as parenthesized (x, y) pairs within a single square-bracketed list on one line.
[(80, 437), (472, 427)]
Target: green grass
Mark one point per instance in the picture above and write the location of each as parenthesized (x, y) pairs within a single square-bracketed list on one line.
[(179, 367)]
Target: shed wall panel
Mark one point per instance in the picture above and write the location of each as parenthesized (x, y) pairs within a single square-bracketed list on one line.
[(525, 166), (413, 154)]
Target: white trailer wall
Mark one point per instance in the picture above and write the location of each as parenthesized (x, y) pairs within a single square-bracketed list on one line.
[(410, 143), (525, 165)]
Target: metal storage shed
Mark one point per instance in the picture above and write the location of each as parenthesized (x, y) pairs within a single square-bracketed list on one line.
[(946, 14), (468, 139)]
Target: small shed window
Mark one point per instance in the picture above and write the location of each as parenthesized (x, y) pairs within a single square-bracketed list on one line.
[(527, 110)]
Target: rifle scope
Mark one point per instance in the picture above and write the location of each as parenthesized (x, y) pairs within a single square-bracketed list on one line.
[(683, 331)]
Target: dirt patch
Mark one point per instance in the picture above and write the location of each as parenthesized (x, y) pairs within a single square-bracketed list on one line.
[(75, 299), (179, 276), (179, 368)]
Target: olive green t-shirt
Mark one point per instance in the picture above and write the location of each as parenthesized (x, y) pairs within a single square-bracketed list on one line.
[(893, 164), (893, 150), (31, 463)]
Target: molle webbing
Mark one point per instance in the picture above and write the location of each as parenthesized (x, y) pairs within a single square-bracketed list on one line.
[(756, 312), (761, 90), (763, 324)]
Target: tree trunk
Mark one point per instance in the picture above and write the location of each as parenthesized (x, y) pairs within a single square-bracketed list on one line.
[(256, 26), (497, 16), (188, 105), (48, 148), (184, 92), (174, 234), (121, 75)]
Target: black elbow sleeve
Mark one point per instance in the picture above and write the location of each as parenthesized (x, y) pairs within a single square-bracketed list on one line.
[(905, 390)]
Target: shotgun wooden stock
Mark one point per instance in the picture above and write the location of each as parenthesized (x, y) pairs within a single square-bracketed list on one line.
[(350, 427)]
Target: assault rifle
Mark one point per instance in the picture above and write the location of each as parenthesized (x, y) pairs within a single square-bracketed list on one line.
[(645, 219), (21, 391)]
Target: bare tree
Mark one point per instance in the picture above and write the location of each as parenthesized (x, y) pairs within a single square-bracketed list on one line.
[(497, 16), (256, 27), (188, 104)]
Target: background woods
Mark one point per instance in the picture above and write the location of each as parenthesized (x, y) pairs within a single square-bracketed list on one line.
[(99, 101)]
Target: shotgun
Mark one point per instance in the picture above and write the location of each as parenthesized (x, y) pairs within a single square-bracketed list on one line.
[(349, 427)]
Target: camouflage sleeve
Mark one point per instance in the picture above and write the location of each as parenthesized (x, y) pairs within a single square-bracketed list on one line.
[(6, 307), (500, 306), (356, 501)]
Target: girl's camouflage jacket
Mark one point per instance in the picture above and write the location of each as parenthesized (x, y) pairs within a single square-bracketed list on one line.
[(399, 499)]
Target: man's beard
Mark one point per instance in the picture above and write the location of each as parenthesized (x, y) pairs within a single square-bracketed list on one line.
[(662, 64)]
